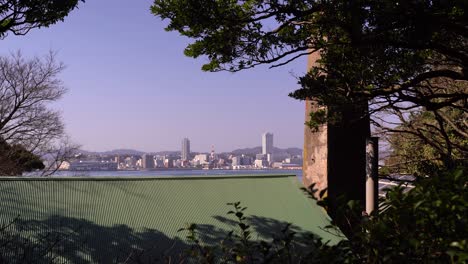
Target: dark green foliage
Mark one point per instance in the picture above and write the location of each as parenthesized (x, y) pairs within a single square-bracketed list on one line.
[(369, 48), (384, 171), (317, 119), (230, 32), (17, 246), (424, 225), (60, 240), (15, 159), (20, 16), (422, 144), (239, 246)]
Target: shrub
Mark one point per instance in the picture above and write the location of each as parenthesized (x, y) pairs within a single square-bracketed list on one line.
[(427, 224)]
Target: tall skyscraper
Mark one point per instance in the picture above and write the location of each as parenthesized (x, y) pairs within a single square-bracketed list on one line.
[(267, 143), (185, 149), (147, 161)]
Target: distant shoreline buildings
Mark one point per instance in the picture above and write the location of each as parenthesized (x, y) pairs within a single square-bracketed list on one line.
[(188, 160)]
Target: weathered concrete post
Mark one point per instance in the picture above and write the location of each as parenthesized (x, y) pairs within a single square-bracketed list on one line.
[(334, 156), (372, 174), (314, 168)]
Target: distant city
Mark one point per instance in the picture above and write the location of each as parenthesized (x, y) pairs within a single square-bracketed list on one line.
[(266, 156)]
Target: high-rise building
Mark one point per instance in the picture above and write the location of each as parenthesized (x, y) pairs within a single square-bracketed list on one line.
[(267, 143), (185, 149), (147, 161)]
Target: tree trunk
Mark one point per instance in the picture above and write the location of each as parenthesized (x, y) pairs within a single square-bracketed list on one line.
[(347, 154)]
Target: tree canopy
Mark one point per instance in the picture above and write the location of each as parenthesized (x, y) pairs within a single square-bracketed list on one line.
[(15, 159), (370, 48), (27, 128), (424, 139), (26, 87), (399, 56), (20, 16), (27, 123)]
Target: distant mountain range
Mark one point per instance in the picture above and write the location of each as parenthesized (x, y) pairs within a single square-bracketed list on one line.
[(276, 151), (126, 152), (247, 151), (113, 152)]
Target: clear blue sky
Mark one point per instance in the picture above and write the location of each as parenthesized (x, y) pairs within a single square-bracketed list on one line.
[(130, 86)]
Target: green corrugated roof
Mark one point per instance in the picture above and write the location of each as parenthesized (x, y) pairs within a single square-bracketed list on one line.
[(105, 217)]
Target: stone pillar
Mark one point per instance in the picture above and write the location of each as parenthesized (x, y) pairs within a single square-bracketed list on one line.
[(372, 175), (314, 168)]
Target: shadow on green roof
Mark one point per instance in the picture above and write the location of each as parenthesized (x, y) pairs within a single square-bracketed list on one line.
[(106, 220)]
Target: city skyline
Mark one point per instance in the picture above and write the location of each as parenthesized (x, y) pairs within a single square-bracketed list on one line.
[(264, 156), (185, 143), (135, 89)]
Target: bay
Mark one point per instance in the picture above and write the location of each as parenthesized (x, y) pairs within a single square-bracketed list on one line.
[(174, 173)]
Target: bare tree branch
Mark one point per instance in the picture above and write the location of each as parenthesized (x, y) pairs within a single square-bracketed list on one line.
[(27, 86)]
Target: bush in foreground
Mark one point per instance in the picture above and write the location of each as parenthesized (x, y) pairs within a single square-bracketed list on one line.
[(427, 224)]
